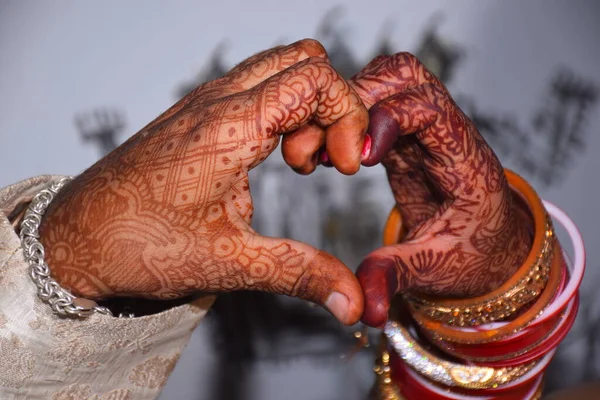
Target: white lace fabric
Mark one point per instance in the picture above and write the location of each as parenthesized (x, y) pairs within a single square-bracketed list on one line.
[(43, 356)]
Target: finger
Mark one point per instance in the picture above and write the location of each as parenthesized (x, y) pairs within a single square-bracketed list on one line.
[(300, 149), (303, 149), (429, 267), (323, 159), (383, 77), (449, 147), (263, 65), (296, 269), (409, 112), (249, 73), (308, 91), (417, 199), (379, 281), (386, 76), (384, 136)]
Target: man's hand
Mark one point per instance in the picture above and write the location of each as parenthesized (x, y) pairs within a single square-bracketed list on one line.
[(464, 236), (168, 213)]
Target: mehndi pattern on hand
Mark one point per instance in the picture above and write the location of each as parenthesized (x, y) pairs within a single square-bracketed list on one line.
[(168, 212)]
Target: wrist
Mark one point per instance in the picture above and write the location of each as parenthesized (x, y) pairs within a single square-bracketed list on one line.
[(519, 237), (61, 301), (68, 252)]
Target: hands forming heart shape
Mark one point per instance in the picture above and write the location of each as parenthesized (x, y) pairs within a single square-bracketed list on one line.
[(168, 213)]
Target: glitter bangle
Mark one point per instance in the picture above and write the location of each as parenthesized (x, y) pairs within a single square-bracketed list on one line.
[(412, 385), (446, 372)]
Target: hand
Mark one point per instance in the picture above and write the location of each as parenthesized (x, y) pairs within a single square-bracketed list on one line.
[(464, 235), (168, 213)]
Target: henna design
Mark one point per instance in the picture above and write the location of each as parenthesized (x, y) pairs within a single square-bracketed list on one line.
[(167, 213), (464, 234)]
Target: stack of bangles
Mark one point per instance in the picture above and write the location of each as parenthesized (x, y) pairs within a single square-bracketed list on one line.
[(495, 346)]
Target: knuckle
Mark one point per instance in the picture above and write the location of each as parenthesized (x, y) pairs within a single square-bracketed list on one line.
[(312, 47), (348, 167), (374, 66), (407, 60), (380, 58), (320, 70), (292, 158), (375, 62), (406, 57), (321, 64), (302, 285), (306, 169), (439, 93)]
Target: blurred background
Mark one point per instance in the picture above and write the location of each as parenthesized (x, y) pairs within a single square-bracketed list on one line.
[(77, 78)]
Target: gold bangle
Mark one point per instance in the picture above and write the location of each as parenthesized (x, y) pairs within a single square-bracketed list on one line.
[(441, 331), (448, 373), (501, 305), (521, 289)]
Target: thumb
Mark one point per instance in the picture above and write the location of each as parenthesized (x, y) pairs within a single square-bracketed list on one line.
[(387, 271), (296, 269)]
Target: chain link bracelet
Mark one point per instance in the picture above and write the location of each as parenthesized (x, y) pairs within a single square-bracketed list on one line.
[(61, 300)]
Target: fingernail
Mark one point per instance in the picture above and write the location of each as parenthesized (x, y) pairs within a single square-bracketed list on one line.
[(337, 304), (323, 157), (366, 151)]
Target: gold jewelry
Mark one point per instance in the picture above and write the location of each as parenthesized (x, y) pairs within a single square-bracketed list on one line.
[(386, 388), (521, 289), (539, 391), (449, 373), (500, 305)]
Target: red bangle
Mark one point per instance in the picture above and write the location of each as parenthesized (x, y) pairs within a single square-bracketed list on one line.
[(531, 346), (553, 341), (577, 266)]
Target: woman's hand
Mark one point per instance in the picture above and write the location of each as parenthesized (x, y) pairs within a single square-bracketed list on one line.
[(168, 213), (464, 235)]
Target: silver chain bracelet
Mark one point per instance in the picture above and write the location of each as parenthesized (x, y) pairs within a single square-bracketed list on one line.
[(61, 300)]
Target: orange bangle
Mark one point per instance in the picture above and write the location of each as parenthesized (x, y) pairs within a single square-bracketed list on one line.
[(393, 231), (521, 289)]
